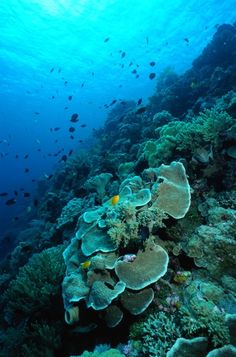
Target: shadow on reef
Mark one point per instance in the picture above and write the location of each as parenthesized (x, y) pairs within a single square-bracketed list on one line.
[(133, 245)]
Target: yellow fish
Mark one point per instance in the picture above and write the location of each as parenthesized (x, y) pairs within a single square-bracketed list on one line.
[(115, 199), (86, 264)]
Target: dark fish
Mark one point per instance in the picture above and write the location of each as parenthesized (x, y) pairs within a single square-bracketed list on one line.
[(130, 64), (26, 156), (134, 71), (147, 40), (140, 110), (139, 101), (15, 193), (137, 76), (83, 125), (35, 202), (66, 82), (123, 54), (56, 129), (3, 194), (72, 137), (53, 96), (107, 39), (74, 118), (15, 219), (52, 69), (36, 113), (26, 194), (10, 202), (152, 75), (38, 149), (122, 66), (26, 170), (69, 97), (80, 141), (70, 152), (186, 39), (152, 63), (51, 129), (63, 158), (82, 85), (71, 129), (17, 156), (59, 70), (66, 108), (56, 141), (113, 102), (49, 177), (92, 73), (33, 180)]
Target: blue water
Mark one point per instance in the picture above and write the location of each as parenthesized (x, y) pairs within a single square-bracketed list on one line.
[(68, 37)]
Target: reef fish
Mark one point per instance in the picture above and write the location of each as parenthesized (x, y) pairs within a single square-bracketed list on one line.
[(115, 199), (86, 264)]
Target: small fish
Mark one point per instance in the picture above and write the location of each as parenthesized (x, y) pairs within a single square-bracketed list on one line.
[(53, 96), (59, 70), (193, 85), (56, 129), (15, 219), (26, 156), (70, 97), (26, 194), (74, 118), (152, 75), (113, 102), (139, 101), (152, 64), (36, 202), (65, 83), (15, 193), (72, 137), (72, 129), (26, 170), (147, 40), (134, 71), (83, 125), (186, 39), (66, 108), (52, 69), (3, 194), (70, 152), (86, 264), (123, 54), (17, 156), (107, 39), (80, 141), (63, 158), (130, 64), (10, 202), (140, 110), (36, 113), (115, 199), (82, 85)]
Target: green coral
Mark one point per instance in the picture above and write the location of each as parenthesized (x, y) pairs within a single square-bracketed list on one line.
[(159, 334), (174, 137), (37, 283), (205, 321)]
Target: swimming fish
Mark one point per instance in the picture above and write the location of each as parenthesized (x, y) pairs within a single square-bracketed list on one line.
[(152, 63), (10, 202), (86, 264), (140, 110), (123, 55), (74, 118), (69, 97), (115, 199), (83, 125), (3, 194), (52, 69), (152, 75), (71, 129), (139, 101), (107, 39)]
